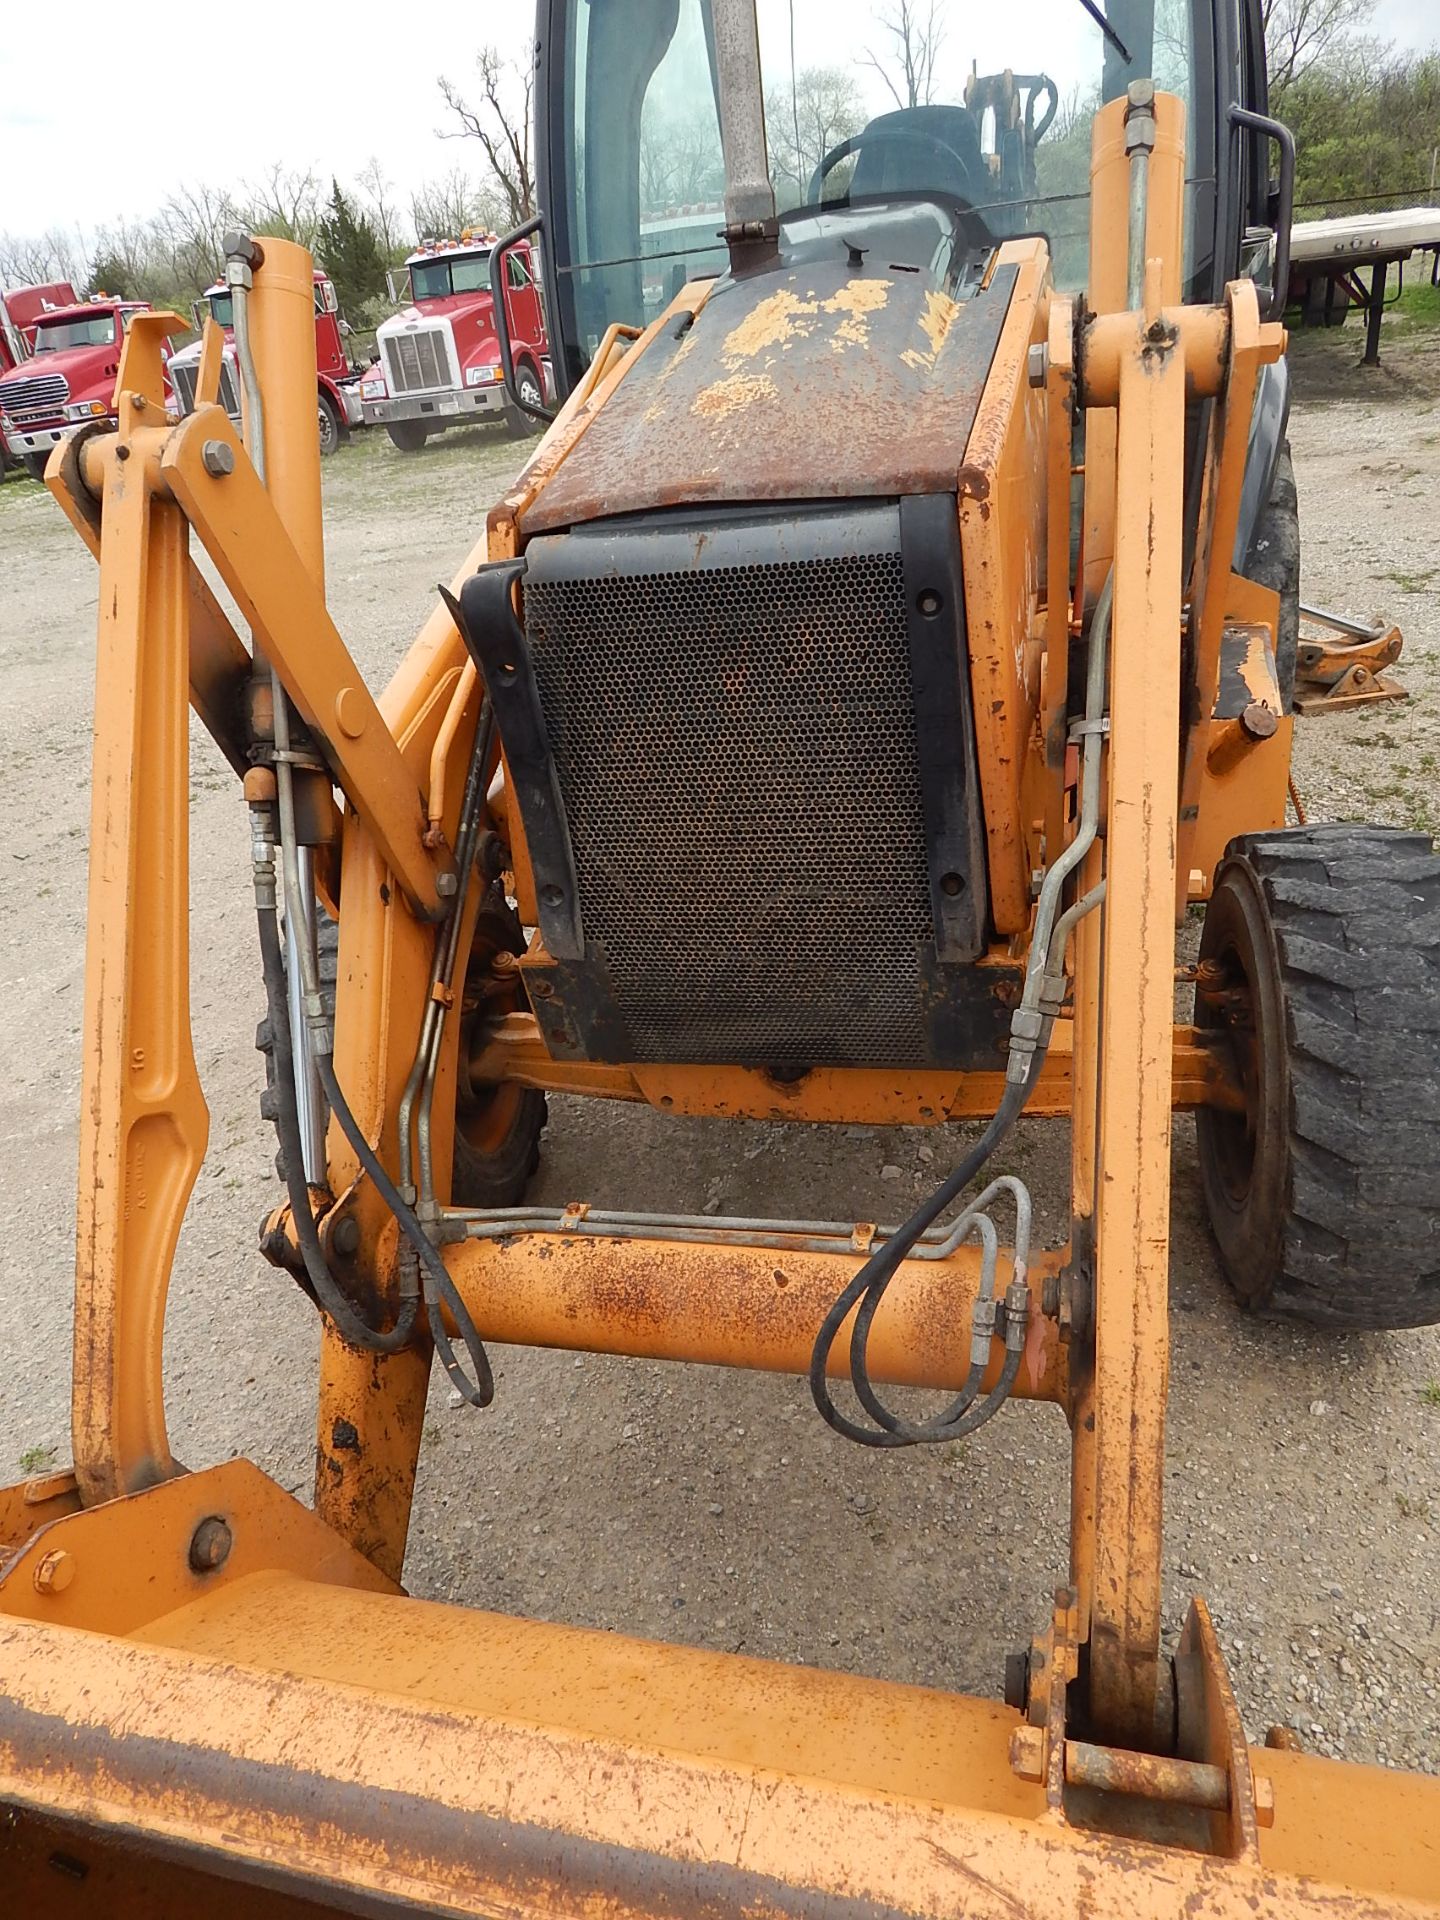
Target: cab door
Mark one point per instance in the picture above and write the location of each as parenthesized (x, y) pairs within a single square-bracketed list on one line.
[(522, 300)]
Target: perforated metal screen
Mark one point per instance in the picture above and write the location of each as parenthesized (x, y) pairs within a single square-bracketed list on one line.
[(731, 719)]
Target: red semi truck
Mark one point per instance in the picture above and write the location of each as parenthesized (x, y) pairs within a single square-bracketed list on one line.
[(337, 381), (439, 362), (69, 377)]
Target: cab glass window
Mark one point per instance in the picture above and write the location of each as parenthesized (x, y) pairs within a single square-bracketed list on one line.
[(998, 117)]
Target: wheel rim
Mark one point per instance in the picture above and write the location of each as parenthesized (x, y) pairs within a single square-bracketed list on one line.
[(529, 390), (329, 432), (1237, 1001)]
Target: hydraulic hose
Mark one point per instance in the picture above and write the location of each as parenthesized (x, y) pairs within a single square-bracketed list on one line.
[(1031, 1027), (328, 1295), (434, 1278)]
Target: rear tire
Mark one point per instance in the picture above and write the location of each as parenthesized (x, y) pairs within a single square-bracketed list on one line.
[(332, 428), (408, 435), (1324, 1195), (35, 464)]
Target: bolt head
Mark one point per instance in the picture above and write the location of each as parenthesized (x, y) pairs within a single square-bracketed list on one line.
[(1038, 363), (446, 885), (345, 1236), (218, 458), (54, 1571), (210, 1544)]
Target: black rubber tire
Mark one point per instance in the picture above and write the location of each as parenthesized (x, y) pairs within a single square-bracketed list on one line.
[(408, 435), (1325, 1198), (497, 1148), (1274, 561), (331, 427), (496, 1173), (519, 424), (35, 465)]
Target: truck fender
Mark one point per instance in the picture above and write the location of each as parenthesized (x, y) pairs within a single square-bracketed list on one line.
[(346, 404)]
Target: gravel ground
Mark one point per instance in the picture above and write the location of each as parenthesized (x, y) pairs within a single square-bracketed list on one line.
[(708, 1507)]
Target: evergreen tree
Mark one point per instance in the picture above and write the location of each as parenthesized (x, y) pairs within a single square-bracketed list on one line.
[(351, 251)]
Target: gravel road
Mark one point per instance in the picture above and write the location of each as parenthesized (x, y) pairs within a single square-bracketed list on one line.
[(708, 1507)]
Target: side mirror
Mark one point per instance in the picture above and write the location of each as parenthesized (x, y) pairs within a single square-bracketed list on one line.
[(498, 255)]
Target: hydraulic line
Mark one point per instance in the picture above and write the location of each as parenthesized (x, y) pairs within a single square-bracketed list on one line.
[(328, 1294), (315, 1041), (1030, 1029)]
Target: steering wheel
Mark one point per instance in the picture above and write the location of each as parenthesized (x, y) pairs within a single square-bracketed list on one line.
[(907, 135)]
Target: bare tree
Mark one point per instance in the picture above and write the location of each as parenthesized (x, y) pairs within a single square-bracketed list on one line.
[(803, 122), (445, 207), (192, 224), (374, 189), (31, 260), (908, 69), (501, 123), (680, 161), (1300, 32), (287, 204)]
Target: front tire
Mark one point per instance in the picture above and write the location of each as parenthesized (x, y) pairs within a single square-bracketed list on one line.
[(1321, 979), (35, 464), (519, 424), (497, 1128), (408, 435)]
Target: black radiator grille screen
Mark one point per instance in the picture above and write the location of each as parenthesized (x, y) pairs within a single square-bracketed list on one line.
[(735, 745)]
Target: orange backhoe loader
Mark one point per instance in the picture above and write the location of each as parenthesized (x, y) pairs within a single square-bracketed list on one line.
[(891, 639)]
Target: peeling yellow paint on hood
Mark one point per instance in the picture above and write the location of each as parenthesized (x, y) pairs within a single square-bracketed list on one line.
[(733, 395), (783, 317)]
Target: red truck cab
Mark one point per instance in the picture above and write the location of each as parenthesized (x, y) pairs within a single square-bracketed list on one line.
[(337, 381), (439, 362), (69, 378)]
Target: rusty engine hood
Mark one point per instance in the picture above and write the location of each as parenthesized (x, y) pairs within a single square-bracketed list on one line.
[(826, 377)]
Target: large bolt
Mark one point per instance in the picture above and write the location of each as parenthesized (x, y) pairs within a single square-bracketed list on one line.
[(54, 1571), (1038, 363), (239, 246), (446, 885), (218, 458), (345, 1236), (210, 1544)]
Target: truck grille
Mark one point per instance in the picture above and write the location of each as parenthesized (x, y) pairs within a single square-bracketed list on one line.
[(37, 397), (417, 362), (731, 718), (183, 377)]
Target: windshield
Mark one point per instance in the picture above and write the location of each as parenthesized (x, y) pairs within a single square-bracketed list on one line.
[(988, 105), (95, 330), (222, 309), (452, 273)]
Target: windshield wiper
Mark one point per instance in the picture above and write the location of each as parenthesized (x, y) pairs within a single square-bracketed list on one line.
[(1093, 9)]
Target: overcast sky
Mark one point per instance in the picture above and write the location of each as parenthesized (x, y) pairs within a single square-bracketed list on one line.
[(224, 93)]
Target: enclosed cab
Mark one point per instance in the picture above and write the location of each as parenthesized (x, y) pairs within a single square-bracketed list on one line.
[(440, 362), (69, 378), (337, 380)]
